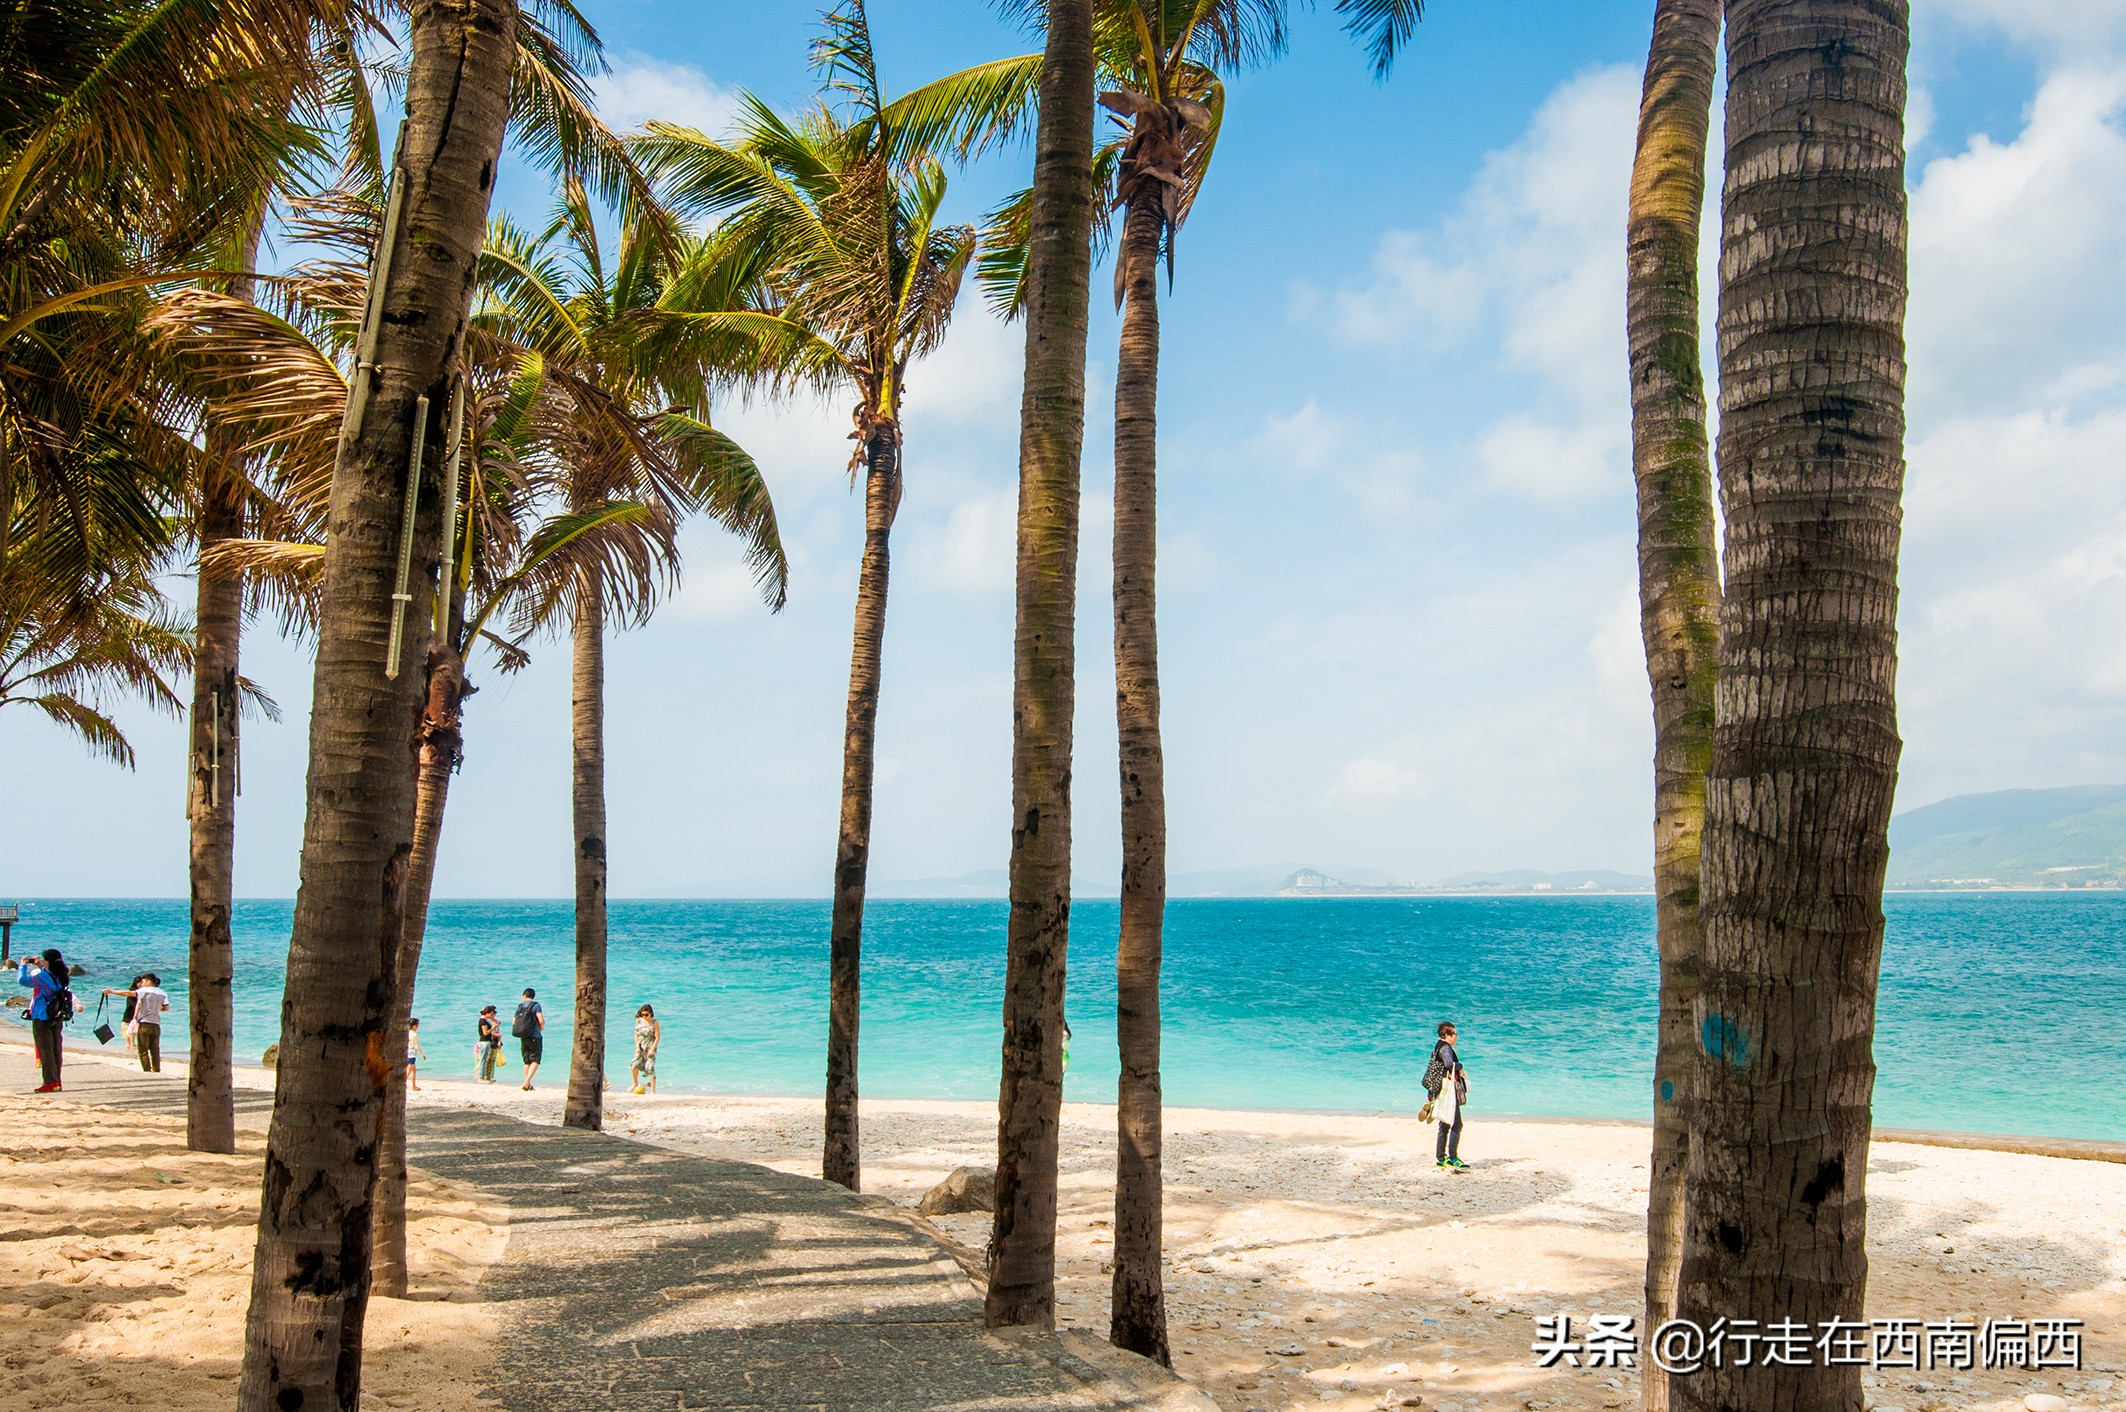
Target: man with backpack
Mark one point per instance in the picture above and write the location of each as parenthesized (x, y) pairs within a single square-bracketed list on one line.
[(530, 1029), (51, 1006)]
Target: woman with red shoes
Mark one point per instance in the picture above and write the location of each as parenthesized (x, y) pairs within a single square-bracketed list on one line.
[(51, 1006)]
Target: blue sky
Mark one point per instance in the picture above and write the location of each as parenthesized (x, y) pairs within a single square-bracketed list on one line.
[(1397, 613)]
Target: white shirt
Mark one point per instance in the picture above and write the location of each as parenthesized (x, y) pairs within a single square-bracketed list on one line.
[(148, 1004)]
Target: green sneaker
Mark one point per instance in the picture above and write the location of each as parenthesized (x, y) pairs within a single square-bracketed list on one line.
[(1443, 1162), (1455, 1162)]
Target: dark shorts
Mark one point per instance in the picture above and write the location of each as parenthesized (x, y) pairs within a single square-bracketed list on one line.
[(531, 1045)]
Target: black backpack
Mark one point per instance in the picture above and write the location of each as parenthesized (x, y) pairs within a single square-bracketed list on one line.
[(523, 1027), (60, 1008)]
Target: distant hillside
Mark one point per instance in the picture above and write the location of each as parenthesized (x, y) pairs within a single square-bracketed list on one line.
[(1529, 880), (2072, 837)]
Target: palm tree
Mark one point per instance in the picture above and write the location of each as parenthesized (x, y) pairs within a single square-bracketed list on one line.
[(310, 1275), (1679, 577), (63, 657), (1163, 56), (831, 223), (1804, 758), (621, 428), (1022, 1240)]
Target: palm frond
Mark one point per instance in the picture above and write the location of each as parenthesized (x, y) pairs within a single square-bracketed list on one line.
[(1385, 27)]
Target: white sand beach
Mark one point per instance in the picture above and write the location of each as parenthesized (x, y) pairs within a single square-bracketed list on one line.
[(1316, 1260), (1324, 1261), (125, 1266)]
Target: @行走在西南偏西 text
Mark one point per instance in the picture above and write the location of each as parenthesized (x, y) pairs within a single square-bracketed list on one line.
[(1684, 1346)]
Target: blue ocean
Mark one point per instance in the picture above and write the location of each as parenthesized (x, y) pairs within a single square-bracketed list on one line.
[(2000, 1013)]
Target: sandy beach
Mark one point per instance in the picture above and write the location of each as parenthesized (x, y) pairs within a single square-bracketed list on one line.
[(1323, 1261), (125, 1266), (1316, 1260)]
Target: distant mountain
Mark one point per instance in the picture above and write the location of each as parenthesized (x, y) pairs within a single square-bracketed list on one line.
[(1529, 880), (2072, 837), (1269, 880)]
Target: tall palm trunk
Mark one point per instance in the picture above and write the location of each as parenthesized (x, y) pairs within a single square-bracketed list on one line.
[(585, 1107), (441, 738), (210, 1096), (1805, 745), (210, 981), (1137, 1318), (311, 1271), (852, 856), (1679, 578), (1022, 1242)]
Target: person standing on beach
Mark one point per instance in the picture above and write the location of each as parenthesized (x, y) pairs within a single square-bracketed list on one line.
[(648, 1034), (51, 1006), (146, 1002), (488, 1048), (414, 1054), (1447, 1085), (530, 1029)]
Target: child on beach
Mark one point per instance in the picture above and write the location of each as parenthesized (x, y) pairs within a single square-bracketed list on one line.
[(647, 1035), (488, 1049), (1447, 1085), (414, 1054)]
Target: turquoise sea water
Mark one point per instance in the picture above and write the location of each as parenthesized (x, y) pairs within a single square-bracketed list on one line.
[(1999, 1012)]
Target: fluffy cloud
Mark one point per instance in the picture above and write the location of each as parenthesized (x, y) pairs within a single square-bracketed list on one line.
[(641, 88)]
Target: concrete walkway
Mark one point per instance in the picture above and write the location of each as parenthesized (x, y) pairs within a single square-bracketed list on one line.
[(638, 1278)]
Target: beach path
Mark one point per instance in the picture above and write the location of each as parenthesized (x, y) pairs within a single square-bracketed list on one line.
[(637, 1277)]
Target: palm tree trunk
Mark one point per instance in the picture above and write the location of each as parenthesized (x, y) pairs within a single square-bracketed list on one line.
[(210, 982), (210, 1095), (310, 1274), (1679, 579), (585, 1107), (1805, 747), (1022, 1242), (442, 741), (1137, 1319), (852, 855)]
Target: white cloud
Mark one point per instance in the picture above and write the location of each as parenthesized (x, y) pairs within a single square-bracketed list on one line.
[(1535, 248), (2070, 25), (641, 88), (1549, 462), (975, 551), (1529, 270), (2017, 277)]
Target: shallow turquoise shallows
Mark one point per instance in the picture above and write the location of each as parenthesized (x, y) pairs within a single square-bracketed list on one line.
[(1999, 1012)]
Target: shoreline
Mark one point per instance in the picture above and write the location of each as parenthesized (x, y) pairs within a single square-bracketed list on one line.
[(2081, 1149)]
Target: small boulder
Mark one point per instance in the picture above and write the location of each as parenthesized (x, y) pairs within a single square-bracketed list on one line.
[(2045, 1402), (272, 1057), (967, 1189)]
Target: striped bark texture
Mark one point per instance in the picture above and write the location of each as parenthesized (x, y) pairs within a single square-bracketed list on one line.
[(1022, 1242), (843, 1160), (585, 1106), (1137, 1307), (1805, 745), (311, 1272), (1679, 578)]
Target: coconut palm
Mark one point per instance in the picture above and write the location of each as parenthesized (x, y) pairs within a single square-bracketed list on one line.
[(550, 111), (553, 328), (310, 1276), (1804, 757), (620, 427), (68, 658), (1679, 576), (830, 270), (1162, 58)]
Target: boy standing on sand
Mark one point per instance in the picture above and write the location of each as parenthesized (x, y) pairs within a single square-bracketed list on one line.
[(530, 1029), (1447, 1084)]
